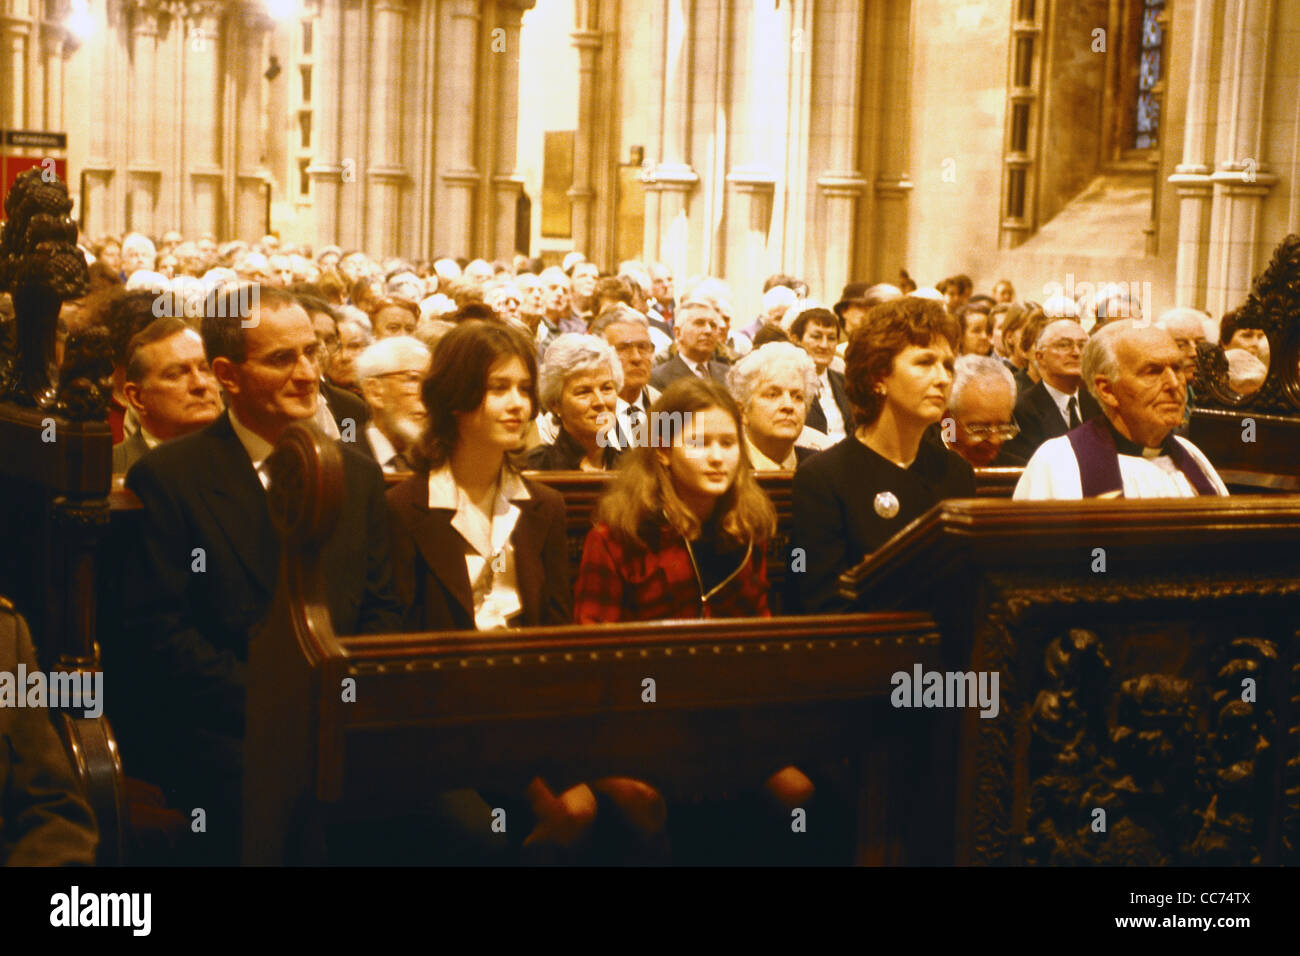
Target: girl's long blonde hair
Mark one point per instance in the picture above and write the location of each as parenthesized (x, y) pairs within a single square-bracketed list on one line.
[(643, 488)]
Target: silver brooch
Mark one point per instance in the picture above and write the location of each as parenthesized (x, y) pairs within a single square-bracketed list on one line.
[(886, 504)]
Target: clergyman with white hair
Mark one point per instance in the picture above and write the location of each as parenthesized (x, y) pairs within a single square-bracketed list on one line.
[(391, 372), (774, 385), (1135, 371), (981, 412)]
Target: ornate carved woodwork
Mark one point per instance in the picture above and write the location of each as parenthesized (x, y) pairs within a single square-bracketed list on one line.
[(1147, 655)]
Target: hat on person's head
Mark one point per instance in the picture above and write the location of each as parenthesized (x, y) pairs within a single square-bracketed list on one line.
[(855, 293)]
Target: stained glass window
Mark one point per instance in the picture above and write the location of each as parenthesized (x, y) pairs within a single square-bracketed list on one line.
[(1150, 65)]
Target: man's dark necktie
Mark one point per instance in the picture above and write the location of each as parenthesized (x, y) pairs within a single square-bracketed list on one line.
[(1075, 422)]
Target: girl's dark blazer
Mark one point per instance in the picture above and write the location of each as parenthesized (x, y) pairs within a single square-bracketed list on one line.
[(429, 559)]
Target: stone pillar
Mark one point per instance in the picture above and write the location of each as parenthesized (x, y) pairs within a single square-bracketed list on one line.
[(248, 45), (586, 37), (507, 184), (1242, 177), (841, 184), (385, 173), (457, 119), (54, 42), (141, 132), (203, 202), (13, 63), (325, 170), (670, 180), (1191, 177)]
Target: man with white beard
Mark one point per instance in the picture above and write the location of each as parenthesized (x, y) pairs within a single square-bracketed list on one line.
[(391, 373)]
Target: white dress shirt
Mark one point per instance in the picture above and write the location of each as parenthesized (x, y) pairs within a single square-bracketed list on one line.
[(489, 548), (1062, 400), (384, 451), (834, 418), (258, 448)]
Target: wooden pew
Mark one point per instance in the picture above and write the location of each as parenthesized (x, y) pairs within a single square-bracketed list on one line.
[(54, 480), (1124, 633), (734, 700)]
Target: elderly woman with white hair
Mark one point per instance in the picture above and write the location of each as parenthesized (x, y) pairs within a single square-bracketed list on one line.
[(774, 386), (581, 377)]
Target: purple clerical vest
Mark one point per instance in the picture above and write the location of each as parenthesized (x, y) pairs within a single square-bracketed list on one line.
[(1094, 447)]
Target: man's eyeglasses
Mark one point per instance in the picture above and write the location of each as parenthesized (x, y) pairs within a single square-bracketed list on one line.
[(987, 432), (1065, 346), (645, 348), (409, 379)]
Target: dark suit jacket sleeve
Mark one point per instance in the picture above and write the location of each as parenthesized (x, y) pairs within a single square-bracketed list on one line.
[(170, 649), (381, 610), (557, 595), (44, 820), (818, 528), (1031, 428)]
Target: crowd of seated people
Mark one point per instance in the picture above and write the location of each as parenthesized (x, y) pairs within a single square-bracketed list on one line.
[(466, 375)]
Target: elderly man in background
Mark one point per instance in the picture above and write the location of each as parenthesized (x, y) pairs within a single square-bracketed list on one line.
[(1135, 371), (138, 252), (628, 332), (662, 299), (774, 385), (354, 337), (1057, 403), (776, 301), (391, 372), (981, 412), (698, 330), (169, 386)]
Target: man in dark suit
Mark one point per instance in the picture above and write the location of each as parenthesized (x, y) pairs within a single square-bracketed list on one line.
[(1056, 404), (44, 819), (209, 563), (817, 332), (698, 331), (168, 385)]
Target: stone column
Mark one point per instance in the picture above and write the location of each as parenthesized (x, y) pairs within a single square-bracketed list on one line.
[(386, 174), (670, 180), (507, 184), (586, 37), (1242, 177), (326, 171), (143, 169), (203, 203), (248, 43), (759, 61), (17, 28), (54, 42), (457, 119), (1191, 177), (841, 183)]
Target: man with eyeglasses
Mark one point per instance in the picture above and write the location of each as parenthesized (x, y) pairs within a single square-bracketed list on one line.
[(628, 331), (1056, 404), (207, 560), (391, 373), (981, 408)]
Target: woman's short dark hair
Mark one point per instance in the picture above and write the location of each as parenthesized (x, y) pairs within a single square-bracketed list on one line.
[(815, 316), (888, 329), (966, 311), (124, 314), (1238, 318), (457, 380)]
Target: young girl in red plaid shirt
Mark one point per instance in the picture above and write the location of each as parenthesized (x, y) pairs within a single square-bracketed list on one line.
[(683, 532)]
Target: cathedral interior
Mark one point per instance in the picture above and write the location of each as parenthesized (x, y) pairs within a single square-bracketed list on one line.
[(1110, 677)]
